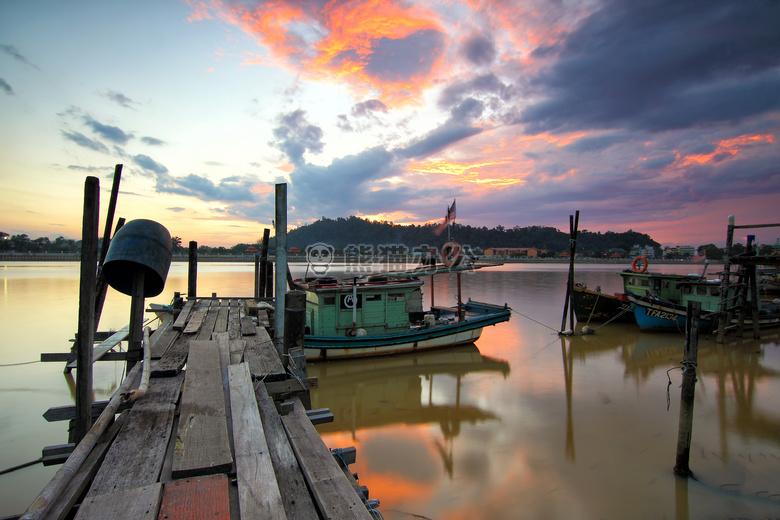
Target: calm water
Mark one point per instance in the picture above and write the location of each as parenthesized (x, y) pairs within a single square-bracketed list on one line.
[(525, 425)]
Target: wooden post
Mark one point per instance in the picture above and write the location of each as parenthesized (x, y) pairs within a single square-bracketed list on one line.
[(266, 282), (573, 224), (281, 264), (192, 280), (136, 332), (723, 314), (102, 285), (688, 392), (460, 301), (86, 326), (294, 324), (257, 276)]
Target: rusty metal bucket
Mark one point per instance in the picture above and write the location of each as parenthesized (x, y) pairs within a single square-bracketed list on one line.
[(139, 246)]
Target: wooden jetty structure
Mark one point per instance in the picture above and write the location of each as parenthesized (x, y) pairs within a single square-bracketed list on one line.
[(210, 421), (740, 273)]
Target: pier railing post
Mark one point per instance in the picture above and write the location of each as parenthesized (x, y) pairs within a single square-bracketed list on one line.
[(86, 326), (192, 278), (688, 392)]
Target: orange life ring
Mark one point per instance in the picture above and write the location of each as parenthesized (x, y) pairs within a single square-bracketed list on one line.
[(642, 267), (451, 254)]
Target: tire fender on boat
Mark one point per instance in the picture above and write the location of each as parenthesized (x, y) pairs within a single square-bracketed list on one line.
[(451, 254), (639, 265)]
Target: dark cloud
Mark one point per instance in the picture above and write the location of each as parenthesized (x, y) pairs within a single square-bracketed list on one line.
[(120, 99), (5, 87), (469, 110), (342, 122), (86, 142), (15, 54), (149, 164), (479, 50), (596, 143), (437, 140), (400, 59), (152, 141), (294, 136), (662, 65), (112, 133)]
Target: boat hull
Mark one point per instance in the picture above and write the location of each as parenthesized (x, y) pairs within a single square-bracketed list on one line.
[(317, 348), (592, 305)]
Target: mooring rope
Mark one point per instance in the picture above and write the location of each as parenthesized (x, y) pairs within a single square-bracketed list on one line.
[(533, 320), (684, 366), (19, 364), (20, 466)]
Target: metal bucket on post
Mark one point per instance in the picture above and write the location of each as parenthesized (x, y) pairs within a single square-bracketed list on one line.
[(143, 245), (137, 264)]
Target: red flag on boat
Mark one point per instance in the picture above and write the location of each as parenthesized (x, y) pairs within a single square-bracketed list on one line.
[(449, 219)]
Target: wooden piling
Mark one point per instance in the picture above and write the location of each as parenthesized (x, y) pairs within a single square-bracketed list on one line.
[(266, 278), (688, 392), (192, 278), (573, 225), (102, 285), (86, 325), (281, 264)]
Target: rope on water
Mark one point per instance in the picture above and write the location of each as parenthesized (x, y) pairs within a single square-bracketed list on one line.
[(20, 364), (20, 466), (533, 320)]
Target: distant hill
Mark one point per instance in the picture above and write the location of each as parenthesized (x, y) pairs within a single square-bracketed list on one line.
[(341, 232)]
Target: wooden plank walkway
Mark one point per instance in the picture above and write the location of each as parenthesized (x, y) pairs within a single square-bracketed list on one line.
[(209, 441)]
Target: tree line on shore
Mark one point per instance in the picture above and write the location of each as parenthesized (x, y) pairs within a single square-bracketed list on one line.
[(341, 233)]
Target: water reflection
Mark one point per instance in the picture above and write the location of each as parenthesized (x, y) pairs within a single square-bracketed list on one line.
[(409, 389)]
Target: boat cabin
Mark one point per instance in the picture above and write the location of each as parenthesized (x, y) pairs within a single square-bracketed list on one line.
[(371, 307)]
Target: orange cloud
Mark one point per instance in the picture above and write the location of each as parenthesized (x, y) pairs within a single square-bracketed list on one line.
[(725, 148), (469, 173), (372, 45)]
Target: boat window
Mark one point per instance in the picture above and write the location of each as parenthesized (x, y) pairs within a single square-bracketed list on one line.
[(329, 300), (395, 297), (666, 284), (701, 290), (687, 289), (374, 298), (715, 291)]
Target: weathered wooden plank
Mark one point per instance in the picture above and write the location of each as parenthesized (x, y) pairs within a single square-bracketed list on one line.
[(196, 320), (222, 318), (139, 503), (234, 322), (181, 319), (67, 412), (297, 501), (237, 347), (291, 385), (137, 454), (333, 493), (202, 445), (207, 328), (107, 344), (195, 498), (263, 358), (162, 339), (61, 506), (258, 491), (174, 358), (248, 326)]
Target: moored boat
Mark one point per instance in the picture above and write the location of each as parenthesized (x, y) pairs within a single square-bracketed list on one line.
[(594, 305), (383, 315)]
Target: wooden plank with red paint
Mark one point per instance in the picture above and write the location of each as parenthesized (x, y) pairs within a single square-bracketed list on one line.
[(196, 497)]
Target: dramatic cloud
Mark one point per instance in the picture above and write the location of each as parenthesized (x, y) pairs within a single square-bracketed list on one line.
[(229, 189), (660, 66)]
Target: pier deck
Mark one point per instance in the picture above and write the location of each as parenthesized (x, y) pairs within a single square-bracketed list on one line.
[(226, 438)]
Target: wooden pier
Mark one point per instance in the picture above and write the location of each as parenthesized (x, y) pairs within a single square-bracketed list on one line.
[(229, 437)]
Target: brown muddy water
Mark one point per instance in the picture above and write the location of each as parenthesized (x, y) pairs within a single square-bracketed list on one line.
[(525, 424)]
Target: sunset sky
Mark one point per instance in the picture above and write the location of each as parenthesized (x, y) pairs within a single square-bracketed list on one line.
[(657, 116)]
